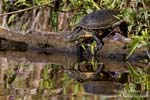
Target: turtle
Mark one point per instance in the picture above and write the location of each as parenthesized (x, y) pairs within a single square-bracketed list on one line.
[(96, 22)]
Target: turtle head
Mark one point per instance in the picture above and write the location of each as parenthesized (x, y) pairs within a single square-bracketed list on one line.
[(68, 38), (74, 35)]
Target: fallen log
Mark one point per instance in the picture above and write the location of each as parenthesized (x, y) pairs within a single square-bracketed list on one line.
[(52, 42), (10, 39)]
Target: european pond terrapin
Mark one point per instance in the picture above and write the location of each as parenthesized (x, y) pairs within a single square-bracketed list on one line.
[(95, 23)]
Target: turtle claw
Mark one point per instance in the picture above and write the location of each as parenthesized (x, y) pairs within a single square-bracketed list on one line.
[(99, 47), (98, 40)]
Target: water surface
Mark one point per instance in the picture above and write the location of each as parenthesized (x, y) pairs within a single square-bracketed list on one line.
[(33, 76)]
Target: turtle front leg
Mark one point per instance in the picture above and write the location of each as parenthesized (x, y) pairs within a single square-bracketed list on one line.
[(98, 41)]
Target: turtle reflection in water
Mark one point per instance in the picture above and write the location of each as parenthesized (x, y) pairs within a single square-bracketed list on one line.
[(93, 83), (85, 76), (98, 75), (100, 21), (100, 81)]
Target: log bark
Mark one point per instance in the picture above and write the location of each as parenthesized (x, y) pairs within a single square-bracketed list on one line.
[(35, 39)]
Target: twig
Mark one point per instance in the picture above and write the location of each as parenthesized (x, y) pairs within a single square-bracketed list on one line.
[(18, 11), (66, 11)]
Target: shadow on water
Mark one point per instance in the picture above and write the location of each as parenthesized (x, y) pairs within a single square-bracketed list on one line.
[(33, 76)]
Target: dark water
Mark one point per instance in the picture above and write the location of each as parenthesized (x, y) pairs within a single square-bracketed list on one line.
[(28, 76)]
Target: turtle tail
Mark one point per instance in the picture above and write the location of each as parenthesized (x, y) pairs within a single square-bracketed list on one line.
[(74, 35)]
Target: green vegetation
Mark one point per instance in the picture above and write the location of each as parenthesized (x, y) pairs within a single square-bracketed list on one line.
[(139, 42), (139, 83)]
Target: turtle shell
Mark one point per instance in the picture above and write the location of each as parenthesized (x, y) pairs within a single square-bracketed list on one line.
[(100, 19)]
